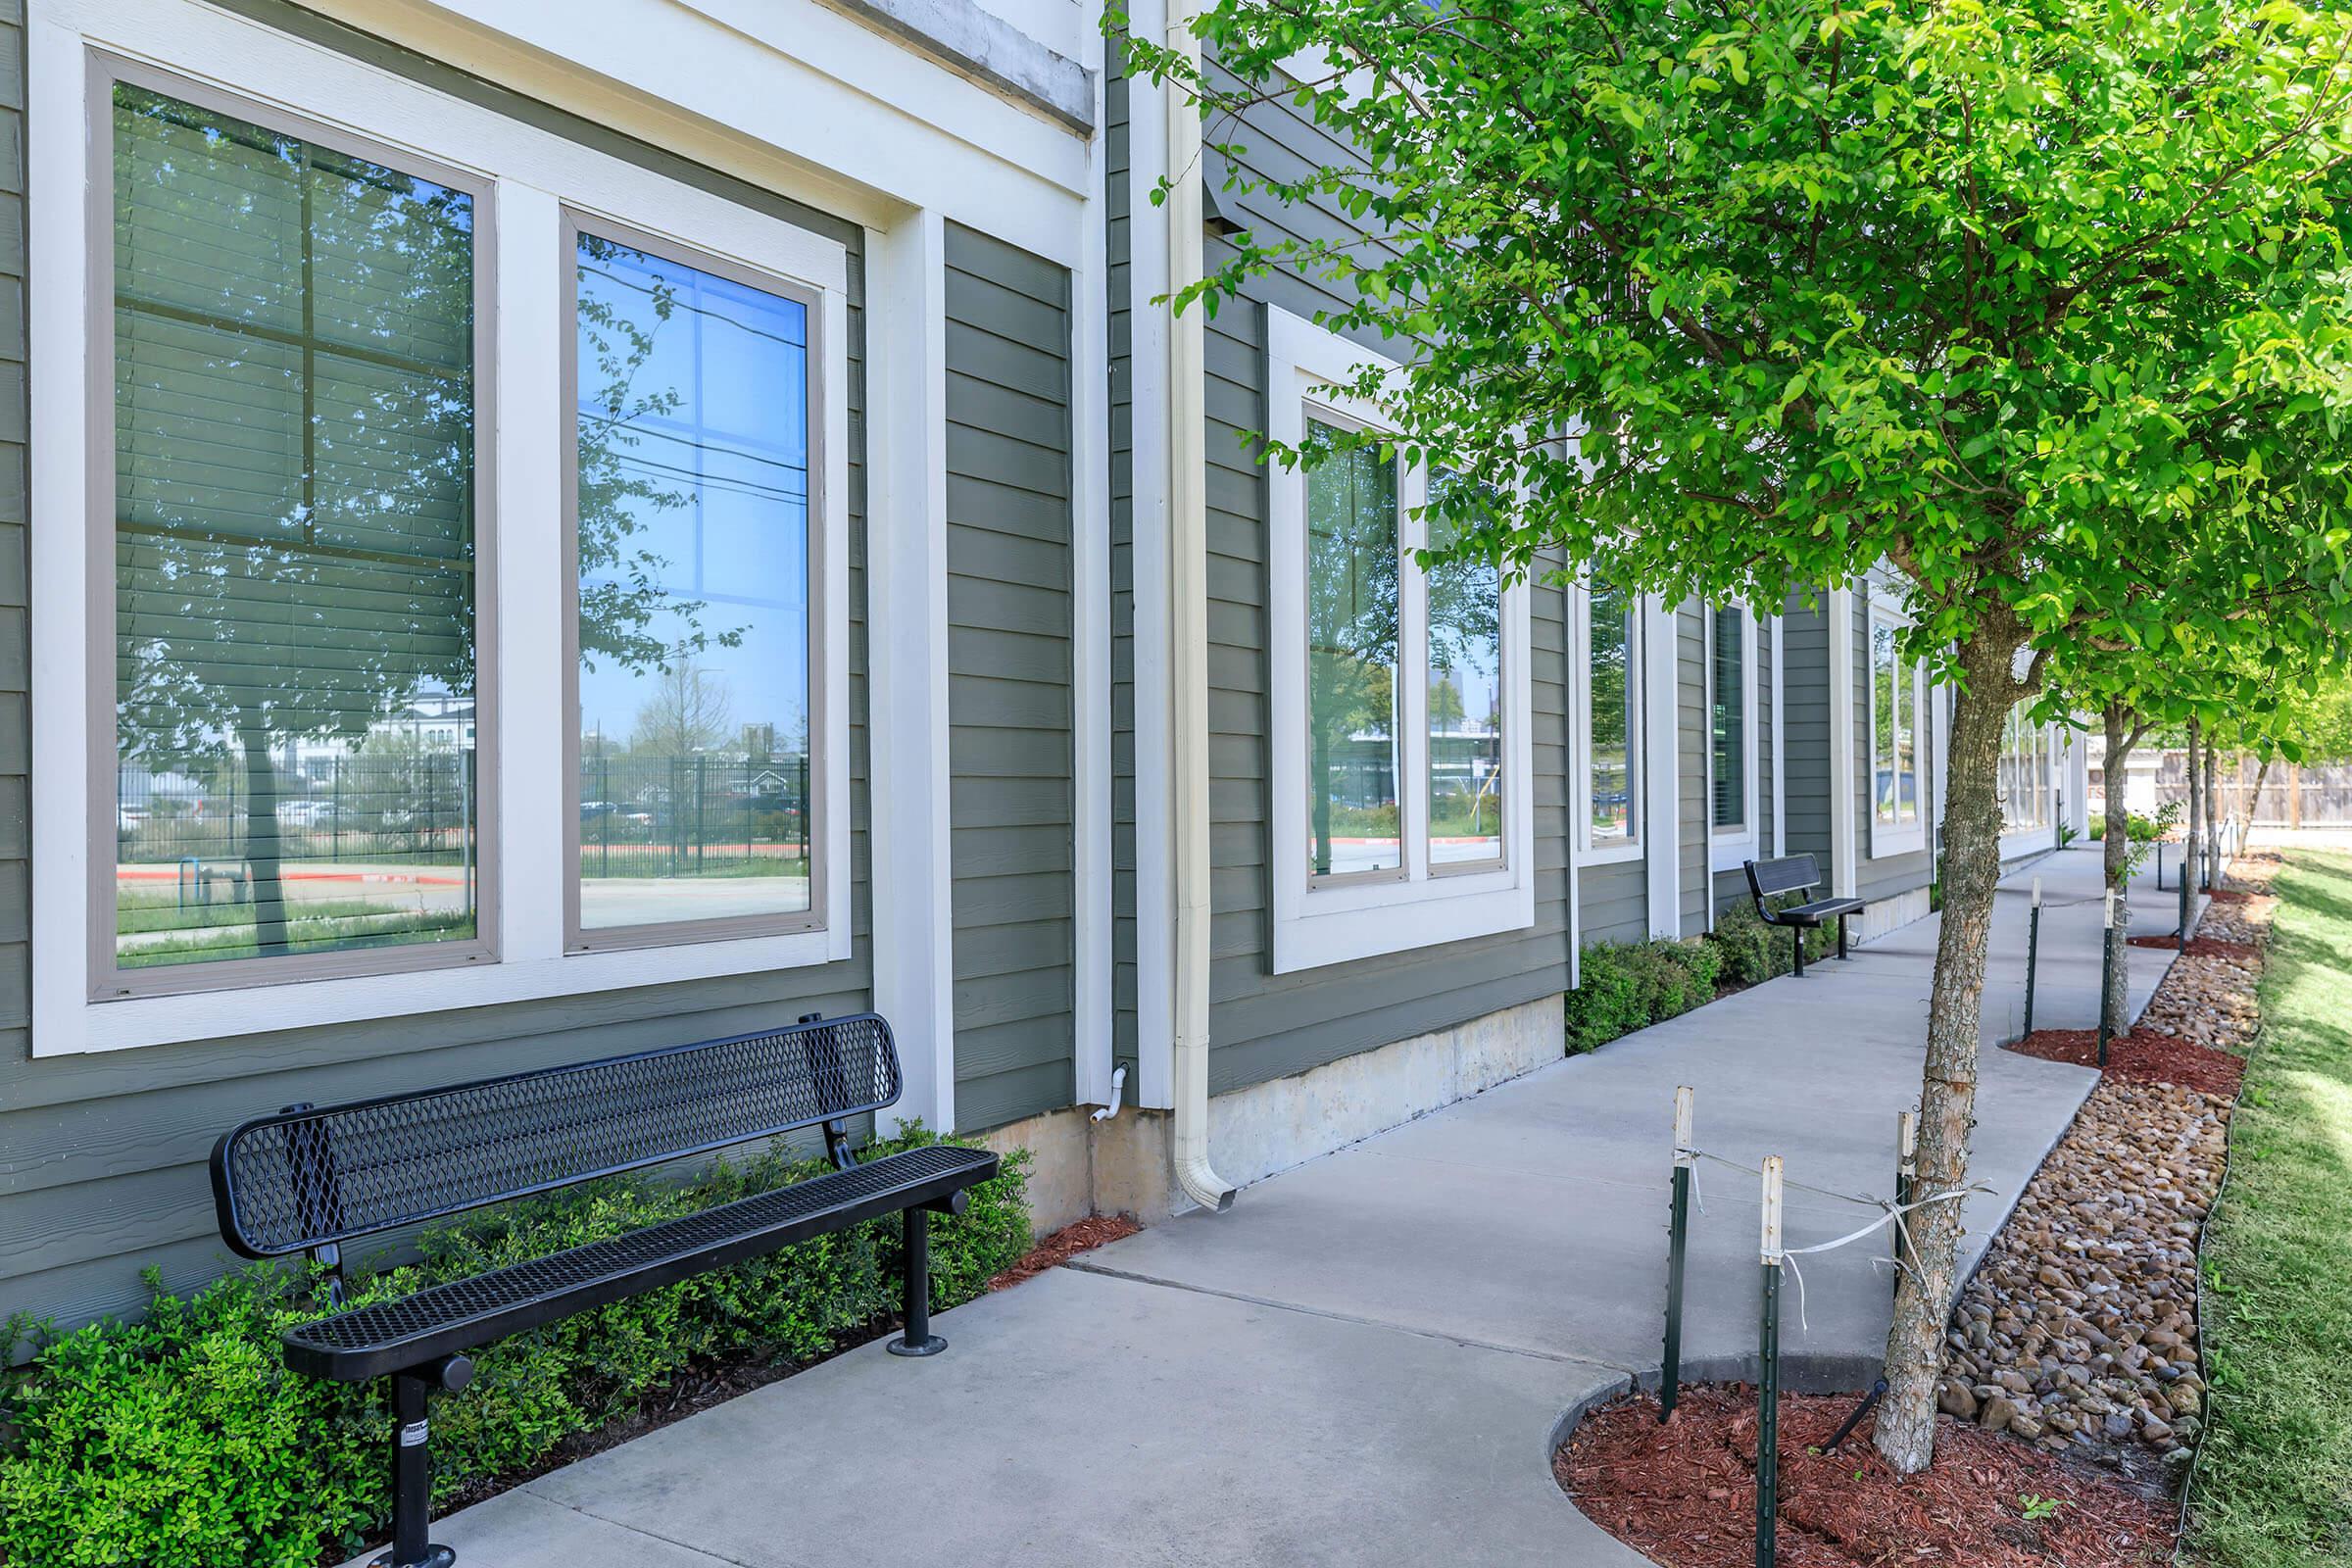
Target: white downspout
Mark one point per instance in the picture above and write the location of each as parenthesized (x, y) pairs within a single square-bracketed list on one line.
[(1188, 621)]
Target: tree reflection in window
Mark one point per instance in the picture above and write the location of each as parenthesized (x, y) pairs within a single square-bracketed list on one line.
[(1613, 717), (1351, 618), (1465, 686), (294, 544)]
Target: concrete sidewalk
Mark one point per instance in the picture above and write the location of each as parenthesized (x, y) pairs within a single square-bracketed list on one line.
[(1369, 1358)]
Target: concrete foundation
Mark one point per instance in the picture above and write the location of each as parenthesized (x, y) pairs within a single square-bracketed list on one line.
[(1890, 915), (1270, 1127), (1080, 1167)]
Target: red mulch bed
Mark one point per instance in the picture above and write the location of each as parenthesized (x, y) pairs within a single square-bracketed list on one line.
[(2203, 948), (2231, 895), (1065, 1244), (1684, 1492), (2143, 1054)]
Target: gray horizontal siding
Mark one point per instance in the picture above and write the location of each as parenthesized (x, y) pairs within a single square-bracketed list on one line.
[(1613, 902), (1805, 729), (1119, 250), (1010, 743), (101, 1156)]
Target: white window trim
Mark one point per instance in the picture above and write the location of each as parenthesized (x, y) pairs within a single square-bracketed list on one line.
[(1315, 925), (1887, 841), (531, 174), (1609, 852), (1730, 848)]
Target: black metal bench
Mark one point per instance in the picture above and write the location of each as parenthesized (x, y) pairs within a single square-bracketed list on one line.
[(1799, 875), (310, 1179)]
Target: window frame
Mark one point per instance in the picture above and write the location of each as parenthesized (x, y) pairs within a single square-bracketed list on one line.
[(1501, 857), (1321, 921), (1888, 839), (2037, 747), (579, 939), (1411, 492), (1611, 850), (108, 981), (522, 176), (1730, 848)]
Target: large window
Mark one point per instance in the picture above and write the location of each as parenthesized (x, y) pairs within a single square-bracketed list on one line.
[(293, 545), (1612, 717), (1728, 690), (690, 527), (1465, 704), (1400, 753), (1353, 618), (1898, 700), (445, 599), (2024, 776)]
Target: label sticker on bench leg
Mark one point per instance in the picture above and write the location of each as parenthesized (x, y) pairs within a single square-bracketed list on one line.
[(415, 1433)]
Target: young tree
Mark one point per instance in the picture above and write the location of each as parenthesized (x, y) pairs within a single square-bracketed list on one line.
[(689, 710), (2011, 295)]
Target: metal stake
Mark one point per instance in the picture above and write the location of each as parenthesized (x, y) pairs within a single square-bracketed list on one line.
[(1906, 1178), (1678, 1232), (2106, 975), (2187, 861), (1767, 1385), (2033, 952)]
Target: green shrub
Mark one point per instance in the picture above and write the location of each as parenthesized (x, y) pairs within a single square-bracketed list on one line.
[(1625, 985), (1607, 1000), (1752, 952), (183, 1438)]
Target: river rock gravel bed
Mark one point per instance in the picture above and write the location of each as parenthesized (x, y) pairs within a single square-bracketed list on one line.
[(2078, 1333)]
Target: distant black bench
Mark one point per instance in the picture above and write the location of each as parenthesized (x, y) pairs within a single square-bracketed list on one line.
[(310, 1178), (1797, 874)]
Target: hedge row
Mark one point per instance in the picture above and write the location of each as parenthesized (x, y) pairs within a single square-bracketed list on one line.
[(182, 1438), (1625, 985)]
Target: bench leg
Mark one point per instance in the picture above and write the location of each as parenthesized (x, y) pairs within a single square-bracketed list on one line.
[(918, 1340), (1796, 945), (1841, 936), (411, 1478)]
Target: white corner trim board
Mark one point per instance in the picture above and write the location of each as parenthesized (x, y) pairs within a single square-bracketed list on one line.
[(907, 585), (1661, 755), (1332, 923)]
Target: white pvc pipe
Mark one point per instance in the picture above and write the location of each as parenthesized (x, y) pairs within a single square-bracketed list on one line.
[(1118, 1091), (1188, 588)]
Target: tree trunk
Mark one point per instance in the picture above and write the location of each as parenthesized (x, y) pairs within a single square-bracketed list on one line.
[(2262, 778), (2212, 817), (1972, 869), (265, 883), (2116, 855)]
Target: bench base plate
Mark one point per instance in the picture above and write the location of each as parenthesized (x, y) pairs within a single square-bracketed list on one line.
[(930, 1345), (434, 1558)]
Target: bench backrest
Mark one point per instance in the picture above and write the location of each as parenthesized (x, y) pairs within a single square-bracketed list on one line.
[(1791, 873), (313, 1177)]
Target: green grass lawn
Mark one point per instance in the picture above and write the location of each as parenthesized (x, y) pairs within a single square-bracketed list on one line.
[(2275, 1483)]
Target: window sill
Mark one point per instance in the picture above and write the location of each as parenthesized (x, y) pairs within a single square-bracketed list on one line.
[(1609, 854), (1887, 843), (1732, 852), (120, 1025), (1337, 925)]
